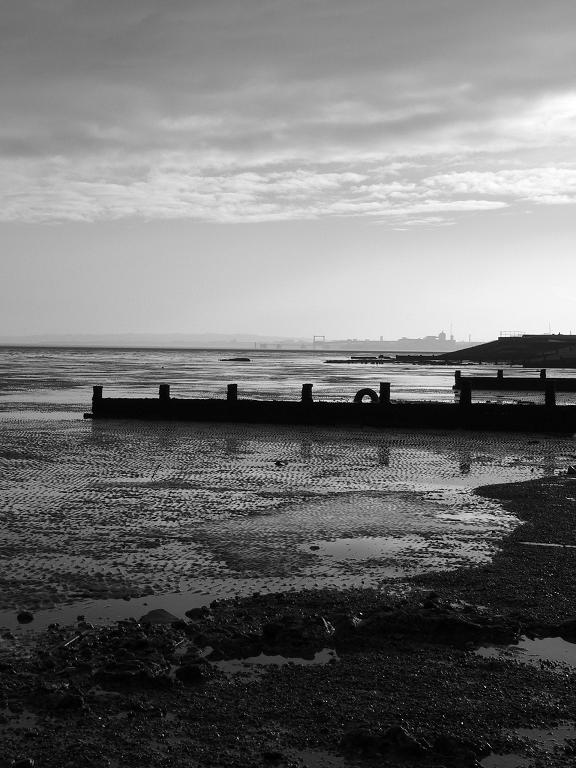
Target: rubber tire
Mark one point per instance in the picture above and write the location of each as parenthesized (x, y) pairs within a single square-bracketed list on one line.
[(362, 393)]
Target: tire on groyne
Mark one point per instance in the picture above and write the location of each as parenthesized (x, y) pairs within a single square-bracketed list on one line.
[(366, 392)]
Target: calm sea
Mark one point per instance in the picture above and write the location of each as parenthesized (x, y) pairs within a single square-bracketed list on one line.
[(45, 380)]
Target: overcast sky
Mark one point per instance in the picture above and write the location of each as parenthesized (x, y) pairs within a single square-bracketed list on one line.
[(355, 169)]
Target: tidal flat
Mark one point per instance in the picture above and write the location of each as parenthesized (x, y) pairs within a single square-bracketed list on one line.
[(96, 514), (219, 595), (284, 643)]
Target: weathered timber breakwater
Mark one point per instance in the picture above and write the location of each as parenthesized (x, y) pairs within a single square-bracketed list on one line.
[(541, 383), (379, 412)]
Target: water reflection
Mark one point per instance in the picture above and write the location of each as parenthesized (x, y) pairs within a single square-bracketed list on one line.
[(465, 462), (306, 449), (384, 452), (233, 445)]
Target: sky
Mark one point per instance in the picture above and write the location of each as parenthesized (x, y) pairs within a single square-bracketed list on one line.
[(288, 167)]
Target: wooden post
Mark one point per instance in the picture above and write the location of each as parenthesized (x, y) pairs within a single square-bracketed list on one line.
[(543, 374), (307, 393), (465, 393), (232, 393), (550, 394), (457, 377), (96, 393), (164, 392), (384, 398)]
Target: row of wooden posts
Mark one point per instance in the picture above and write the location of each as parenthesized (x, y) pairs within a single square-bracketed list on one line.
[(232, 393), (466, 393), (382, 397), (499, 375)]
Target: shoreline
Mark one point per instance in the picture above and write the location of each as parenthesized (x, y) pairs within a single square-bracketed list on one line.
[(403, 658)]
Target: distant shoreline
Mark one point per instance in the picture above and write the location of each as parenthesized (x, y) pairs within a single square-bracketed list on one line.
[(323, 351)]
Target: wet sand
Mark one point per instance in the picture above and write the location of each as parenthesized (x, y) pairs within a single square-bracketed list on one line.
[(95, 514)]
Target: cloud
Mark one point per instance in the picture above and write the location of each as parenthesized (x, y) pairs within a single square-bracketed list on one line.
[(538, 185), (243, 111), (170, 192)]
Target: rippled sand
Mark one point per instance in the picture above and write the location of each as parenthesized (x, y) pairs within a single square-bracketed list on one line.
[(95, 510)]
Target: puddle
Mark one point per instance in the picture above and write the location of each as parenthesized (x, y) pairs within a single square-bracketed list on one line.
[(17, 721), (549, 739), (257, 663), (505, 761), (537, 652), (546, 740), (366, 547), (105, 611), (546, 544), (312, 758)]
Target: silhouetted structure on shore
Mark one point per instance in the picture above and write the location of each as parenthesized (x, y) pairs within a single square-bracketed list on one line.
[(501, 383), (379, 412), (530, 350)]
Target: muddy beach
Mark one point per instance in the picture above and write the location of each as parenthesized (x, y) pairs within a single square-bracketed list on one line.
[(393, 676), (172, 516), (236, 596)]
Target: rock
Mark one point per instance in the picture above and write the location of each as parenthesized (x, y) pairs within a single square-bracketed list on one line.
[(360, 740), (441, 625), (118, 675), (460, 750), (157, 680), (25, 617), (238, 647), (291, 633), (395, 740), (566, 630), (180, 624), (398, 740), (346, 624), (159, 616), (190, 674), (570, 747), (431, 600), (199, 613), (69, 701)]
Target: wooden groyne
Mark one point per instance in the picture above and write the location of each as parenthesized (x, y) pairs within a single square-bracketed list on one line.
[(368, 408), (387, 359), (541, 383)]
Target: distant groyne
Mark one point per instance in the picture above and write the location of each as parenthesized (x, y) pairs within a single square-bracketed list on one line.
[(368, 408), (501, 383)]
